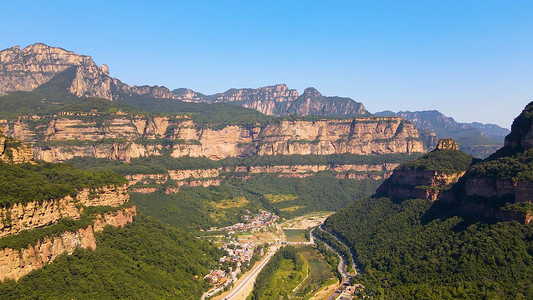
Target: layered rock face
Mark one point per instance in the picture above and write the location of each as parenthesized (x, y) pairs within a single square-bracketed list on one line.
[(214, 177), (15, 263), (424, 180), (123, 137), (29, 68), (14, 152), (36, 214), (479, 140), (418, 184), (517, 144)]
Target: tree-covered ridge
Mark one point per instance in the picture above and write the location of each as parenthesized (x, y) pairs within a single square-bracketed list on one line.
[(515, 167), (445, 160), (161, 164), (410, 250), (28, 182), (522, 125), (144, 260)]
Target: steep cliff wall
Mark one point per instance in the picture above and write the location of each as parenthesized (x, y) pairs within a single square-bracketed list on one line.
[(123, 137), (37, 214), (418, 184), (428, 176), (29, 68), (12, 151), (15, 263)]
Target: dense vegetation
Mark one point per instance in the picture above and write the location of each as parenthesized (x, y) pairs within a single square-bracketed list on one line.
[(334, 243), (144, 260), (202, 113), (161, 164), (20, 183), (321, 192), (416, 249), (265, 276), (450, 161), (197, 207), (515, 167)]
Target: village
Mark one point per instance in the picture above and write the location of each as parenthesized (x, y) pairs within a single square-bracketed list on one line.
[(241, 247)]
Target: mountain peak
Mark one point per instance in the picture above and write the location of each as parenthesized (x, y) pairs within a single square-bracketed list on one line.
[(312, 92)]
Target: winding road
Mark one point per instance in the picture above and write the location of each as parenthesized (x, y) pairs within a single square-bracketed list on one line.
[(343, 270)]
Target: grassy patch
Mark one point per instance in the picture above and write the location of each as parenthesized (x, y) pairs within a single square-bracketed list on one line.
[(292, 208), (295, 235), (231, 203), (280, 198)]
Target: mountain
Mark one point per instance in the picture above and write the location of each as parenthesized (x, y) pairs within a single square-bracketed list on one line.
[(278, 100), (28, 68), (69, 233), (458, 225), (35, 65), (477, 139)]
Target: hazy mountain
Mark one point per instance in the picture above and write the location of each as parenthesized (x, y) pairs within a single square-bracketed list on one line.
[(477, 139)]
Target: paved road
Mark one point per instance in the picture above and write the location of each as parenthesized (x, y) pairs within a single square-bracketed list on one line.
[(343, 270), (235, 294)]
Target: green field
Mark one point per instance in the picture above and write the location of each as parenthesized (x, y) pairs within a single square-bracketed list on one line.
[(320, 273), (299, 280), (295, 235)]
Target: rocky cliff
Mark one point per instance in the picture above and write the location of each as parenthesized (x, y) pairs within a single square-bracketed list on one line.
[(118, 136), (15, 263), (504, 180), (36, 214), (28, 68), (38, 64), (429, 176), (279, 100), (13, 151)]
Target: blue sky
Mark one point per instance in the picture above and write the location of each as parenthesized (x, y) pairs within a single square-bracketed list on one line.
[(472, 60)]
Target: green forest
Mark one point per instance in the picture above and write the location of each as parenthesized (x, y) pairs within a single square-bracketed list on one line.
[(21, 183), (144, 260), (444, 160), (416, 249)]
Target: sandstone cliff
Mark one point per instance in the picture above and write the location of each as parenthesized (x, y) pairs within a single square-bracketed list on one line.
[(15, 263), (143, 183), (31, 67), (429, 176), (36, 214), (12, 151), (117, 136)]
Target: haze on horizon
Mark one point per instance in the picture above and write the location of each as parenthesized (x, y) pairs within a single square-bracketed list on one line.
[(470, 60)]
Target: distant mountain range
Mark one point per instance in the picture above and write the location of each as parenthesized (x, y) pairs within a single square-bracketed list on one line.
[(57, 77), (477, 139), (35, 65)]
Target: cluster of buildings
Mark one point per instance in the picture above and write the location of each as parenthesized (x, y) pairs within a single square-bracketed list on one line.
[(253, 222), (218, 278), (238, 252)]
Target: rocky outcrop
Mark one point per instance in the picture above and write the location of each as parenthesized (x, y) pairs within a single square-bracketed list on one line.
[(301, 169), (447, 144), (410, 184), (520, 191), (117, 218), (35, 65), (279, 100), (123, 137), (15, 263), (12, 151), (36, 214)]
